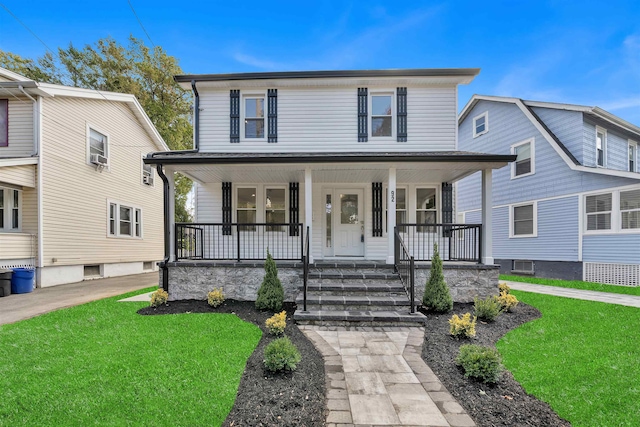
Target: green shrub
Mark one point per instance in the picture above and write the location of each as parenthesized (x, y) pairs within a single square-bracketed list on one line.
[(481, 363), (281, 355), (508, 301), (215, 297), (487, 309), (462, 327), (270, 294), (436, 292), (159, 297), (277, 323)]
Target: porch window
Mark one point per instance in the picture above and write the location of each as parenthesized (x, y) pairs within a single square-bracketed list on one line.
[(523, 165), (246, 207), (426, 208), (401, 209), (523, 221), (124, 221), (630, 209), (601, 146), (275, 208), (598, 209), (381, 115), (254, 117), (4, 123)]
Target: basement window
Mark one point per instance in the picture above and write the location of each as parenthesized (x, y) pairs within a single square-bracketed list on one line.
[(522, 267)]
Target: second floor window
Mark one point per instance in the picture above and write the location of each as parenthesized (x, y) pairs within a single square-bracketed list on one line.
[(381, 115), (524, 160), (601, 147), (254, 117), (481, 124), (632, 157), (4, 122)]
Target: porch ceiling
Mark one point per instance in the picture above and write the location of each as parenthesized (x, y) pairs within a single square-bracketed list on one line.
[(334, 173)]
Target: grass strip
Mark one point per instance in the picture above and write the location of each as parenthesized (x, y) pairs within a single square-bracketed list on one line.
[(581, 357), (575, 284), (101, 363)]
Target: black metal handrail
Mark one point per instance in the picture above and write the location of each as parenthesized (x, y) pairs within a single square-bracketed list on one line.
[(404, 265), (225, 241), (305, 270), (456, 242)]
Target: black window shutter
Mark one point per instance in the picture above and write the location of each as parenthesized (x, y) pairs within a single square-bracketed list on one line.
[(226, 208), (294, 208), (234, 124), (447, 207), (377, 208), (272, 127), (363, 134), (402, 114)]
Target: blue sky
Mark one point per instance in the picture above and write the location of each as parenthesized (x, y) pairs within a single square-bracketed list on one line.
[(585, 52)]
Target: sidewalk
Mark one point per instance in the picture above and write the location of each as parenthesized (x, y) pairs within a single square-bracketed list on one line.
[(17, 307), (606, 297)]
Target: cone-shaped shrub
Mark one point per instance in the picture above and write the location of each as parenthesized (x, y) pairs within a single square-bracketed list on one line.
[(270, 294), (436, 292)]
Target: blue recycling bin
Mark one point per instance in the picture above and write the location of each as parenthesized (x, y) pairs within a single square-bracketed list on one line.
[(22, 280)]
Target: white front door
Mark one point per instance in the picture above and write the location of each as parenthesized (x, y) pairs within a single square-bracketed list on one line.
[(349, 236)]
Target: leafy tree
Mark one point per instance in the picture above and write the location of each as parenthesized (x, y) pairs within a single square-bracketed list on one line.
[(271, 293), (436, 292), (136, 69)]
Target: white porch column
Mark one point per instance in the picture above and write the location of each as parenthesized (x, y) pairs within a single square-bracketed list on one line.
[(172, 214), (308, 208), (487, 229), (391, 214)]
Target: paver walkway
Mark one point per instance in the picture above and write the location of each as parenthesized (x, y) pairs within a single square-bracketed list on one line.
[(376, 377), (17, 307), (607, 297)]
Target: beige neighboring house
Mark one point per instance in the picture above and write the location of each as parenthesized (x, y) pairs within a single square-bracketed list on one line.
[(76, 200)]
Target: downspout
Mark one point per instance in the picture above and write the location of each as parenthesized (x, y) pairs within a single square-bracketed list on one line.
[(196, 118), (167, 229)]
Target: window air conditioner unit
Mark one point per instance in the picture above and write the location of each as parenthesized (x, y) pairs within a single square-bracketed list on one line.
[(147, 180), (98, 160)]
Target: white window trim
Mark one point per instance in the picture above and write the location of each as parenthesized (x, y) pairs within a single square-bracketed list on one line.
[(603, 131), (414, 204), (535, 220), (107, 148), (533, 157), (486, 124), (8, 210), (631, 143), (406, 205), (619, 216), (394, 114), (133, 208), (234, 202), (143, 172), (264, 204), (615, 213), (243, 97)]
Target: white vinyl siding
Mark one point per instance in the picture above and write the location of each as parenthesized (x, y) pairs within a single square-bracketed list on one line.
[(75, 223), (23, 176), (325, 120), (20, 129)]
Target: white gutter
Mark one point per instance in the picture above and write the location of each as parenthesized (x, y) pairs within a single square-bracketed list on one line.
[(38, 131)]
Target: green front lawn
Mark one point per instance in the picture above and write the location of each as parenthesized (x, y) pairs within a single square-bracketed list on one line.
[(575, 284), (581, 357), (101, 363)]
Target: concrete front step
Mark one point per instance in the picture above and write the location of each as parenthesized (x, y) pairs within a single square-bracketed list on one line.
[(361, 318), (389, 288), (355, 303)]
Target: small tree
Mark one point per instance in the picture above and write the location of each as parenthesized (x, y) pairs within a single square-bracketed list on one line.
[(270, 294), (436, 292)]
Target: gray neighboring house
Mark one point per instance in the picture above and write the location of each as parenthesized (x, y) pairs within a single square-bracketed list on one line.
[(569, 206)]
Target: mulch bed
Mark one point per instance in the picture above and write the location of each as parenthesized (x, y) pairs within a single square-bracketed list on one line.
[(298, 398), (503, 404), (265, 398)]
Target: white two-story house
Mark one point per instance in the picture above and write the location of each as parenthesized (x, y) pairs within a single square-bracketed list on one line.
[(325, 162), (76, 200)]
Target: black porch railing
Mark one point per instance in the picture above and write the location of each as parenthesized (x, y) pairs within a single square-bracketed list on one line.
[(305, 270), (404, 265), (198, 241), (456, 242)]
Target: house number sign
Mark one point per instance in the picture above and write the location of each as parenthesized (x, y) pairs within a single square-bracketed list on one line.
[(393, 196)]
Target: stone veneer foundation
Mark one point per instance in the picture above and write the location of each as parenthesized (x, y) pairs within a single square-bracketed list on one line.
[(241, 280)]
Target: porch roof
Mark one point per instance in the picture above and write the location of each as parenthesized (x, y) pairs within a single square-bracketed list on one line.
[(439, 166)]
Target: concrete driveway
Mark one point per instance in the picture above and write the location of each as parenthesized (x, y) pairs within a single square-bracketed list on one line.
[(17, 307)]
